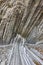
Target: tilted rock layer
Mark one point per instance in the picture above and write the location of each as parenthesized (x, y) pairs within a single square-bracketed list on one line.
[(20, 16)]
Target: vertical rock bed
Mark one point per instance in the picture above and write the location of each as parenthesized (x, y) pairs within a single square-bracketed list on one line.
[(21, 17), (21, 32)]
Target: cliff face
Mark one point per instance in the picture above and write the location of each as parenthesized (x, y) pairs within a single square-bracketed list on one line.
[(20, 16)]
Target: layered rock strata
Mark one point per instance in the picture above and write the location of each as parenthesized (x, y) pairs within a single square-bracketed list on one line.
[(19, 16)]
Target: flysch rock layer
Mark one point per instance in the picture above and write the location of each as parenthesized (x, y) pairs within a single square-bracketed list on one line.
[(19, 16)]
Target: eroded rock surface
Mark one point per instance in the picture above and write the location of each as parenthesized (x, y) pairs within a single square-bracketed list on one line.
[(24, 17), (21, 53), (19, 16)]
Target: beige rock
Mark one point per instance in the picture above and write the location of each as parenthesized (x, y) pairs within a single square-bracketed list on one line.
[(20, 16)]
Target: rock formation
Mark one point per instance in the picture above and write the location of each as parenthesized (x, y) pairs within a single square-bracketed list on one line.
[(20, 17), (25, 18)]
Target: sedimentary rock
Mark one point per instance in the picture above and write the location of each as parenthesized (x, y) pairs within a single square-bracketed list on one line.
[(24, 17), (21, 53), (20, 17)]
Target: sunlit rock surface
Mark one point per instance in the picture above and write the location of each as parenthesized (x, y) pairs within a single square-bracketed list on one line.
[(25, 18)]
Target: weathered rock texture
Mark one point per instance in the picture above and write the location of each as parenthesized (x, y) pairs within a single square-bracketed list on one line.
[(21, 53), (20, 16), (24, 17)]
